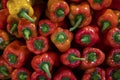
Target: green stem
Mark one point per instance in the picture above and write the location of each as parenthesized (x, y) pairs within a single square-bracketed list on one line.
[(116, 37), (65, 78), (116, 57), (12, 58), (116, 75), (0, 5), (60, 12), (105, 25), (41, 78), (86, 39), (79, 18), (27, 33), (22, 76), (92, 57), (98, 1), (3, 70), (95, 76), (45, 28), (60, 37), (38, 44), (13, 28), (119, 22)]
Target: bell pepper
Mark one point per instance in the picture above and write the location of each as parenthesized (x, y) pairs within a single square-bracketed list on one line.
[(21, 8), (3, 4), (21, 74), (64, 74), (5, 69), (99, 4), (27, 29), (87, 36), (80, 15), (39, 76), (38, 45), (95, 73), (57, 10), (71, 58), (4, 39), (76, 1), (43, 63), (46, 27), (117, 12), (93, 57), (107, 20), (62, 39), (113, 73), (16, 54)]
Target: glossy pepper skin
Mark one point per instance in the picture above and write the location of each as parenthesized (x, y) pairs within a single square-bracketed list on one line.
[(93, 57), (3, 4), (46, 27), (5, 69), (43, 63), (21, 74), (95, 73), (39, 76), (113, 59), (26, 29), (113, 73), (107, 20), (64, 74), (71, 58), (57, 10), (80, 15), (21, 9), (99, 4), (117, 12), (38, 45), (62, 39), (16, 54), (87, 36)]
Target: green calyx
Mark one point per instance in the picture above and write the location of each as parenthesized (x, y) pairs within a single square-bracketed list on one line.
[(86, 39), (60, 37), (42, 78), (3, 70), (79, 18), (24, 14), (12, 58), (45, 67), (59, 12), (98, 1), (95, 76), (116, 75), (22, 76), (116, 37), (65, 78), (105, 25), (13, 28), (116, 57), (92, 57), (45, 28), (38, 44), (73, 58), (27, 33)]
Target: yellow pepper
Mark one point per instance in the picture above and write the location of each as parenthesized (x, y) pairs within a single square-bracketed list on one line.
[(21, 8)]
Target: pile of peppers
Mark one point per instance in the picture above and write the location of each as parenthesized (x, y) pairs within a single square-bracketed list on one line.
[(59, 39)]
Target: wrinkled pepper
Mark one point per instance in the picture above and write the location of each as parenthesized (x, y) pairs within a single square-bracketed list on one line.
[(21, 8), (16, 54), (57, 10), (62, 39), (71, 58), (21, 74), (80, 15), (117, 12), (46, 27), (99, 4), (43, 63), (107, 20), (87, 36), (39, 76), (3, 4), (95, 73), (5, 69), (26, 29), (38, 45), (93, 57)]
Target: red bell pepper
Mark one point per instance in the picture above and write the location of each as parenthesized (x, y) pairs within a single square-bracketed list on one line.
[(43, 63), (46, 27), (113, 73), (16, 54), (57, 10), (3, 4), (95, 73), (80, 15), (64, 74), (21, 74), (5, 69), (113, 57), (87, 36), (26, 29), (71, 58), (93, 57), (107, 20), (117, 12), (38, 45), (62, 39), (39, 76), (99, 4)]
